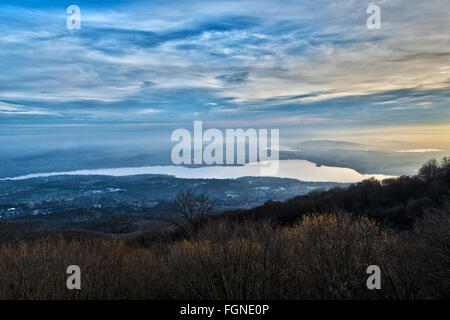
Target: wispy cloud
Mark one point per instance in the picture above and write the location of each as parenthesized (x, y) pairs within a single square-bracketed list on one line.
[(14, 109), (147, 111), (173, 59)]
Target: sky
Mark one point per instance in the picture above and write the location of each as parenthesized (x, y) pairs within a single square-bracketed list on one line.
[(311, 68)]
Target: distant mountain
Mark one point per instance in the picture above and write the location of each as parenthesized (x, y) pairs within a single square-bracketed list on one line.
[(362, 158), (329, 144)]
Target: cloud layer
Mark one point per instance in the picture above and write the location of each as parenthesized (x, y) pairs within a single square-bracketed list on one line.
[(296, 62)]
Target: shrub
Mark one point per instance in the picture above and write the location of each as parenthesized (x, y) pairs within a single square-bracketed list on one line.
[(323, 256)]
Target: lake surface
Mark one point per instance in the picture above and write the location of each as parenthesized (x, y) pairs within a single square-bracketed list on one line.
[(295, 169)]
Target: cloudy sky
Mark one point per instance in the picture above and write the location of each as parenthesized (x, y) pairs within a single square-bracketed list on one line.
[(289, 64)]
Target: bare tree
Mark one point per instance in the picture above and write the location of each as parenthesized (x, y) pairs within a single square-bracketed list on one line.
[(429, 170), (192, 206)]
